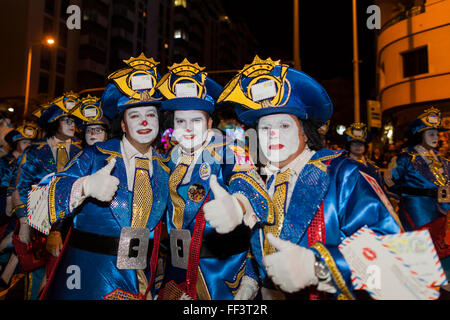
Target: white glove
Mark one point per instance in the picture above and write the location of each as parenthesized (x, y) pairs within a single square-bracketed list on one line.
[(292, 267), (9, 206), (7, 240), (24, 231), (101, 185), (247, 290), (224, 213)]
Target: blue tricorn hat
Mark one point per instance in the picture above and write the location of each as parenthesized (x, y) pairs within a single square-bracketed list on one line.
[(27, 131), (357, 132), (89, 110), (267, 87), (59, 107), (429, 119), (187, 87), (131, 87)]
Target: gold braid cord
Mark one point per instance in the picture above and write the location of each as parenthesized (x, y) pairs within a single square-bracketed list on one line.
[(336, 274), (174, 181), (279, 202), (143, 194)]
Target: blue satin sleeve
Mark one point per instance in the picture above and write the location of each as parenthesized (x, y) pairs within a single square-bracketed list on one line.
[(402, 165), (61, 187), (29, 172), (249, 184), (356, 205)]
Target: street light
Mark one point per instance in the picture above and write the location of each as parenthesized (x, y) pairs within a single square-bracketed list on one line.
[(49, 41)]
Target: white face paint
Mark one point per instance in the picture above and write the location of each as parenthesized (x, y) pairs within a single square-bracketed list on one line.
[(430, 138), (190, 129), (357, 148), (279, 137), (67, 127), (142, 124), (95, 133), (23, 144)]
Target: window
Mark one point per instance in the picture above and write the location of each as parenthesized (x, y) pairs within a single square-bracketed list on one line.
[(59, 86), (45, 57), (48, 26), (61, 62), (180, 3), (50, 7), (43, 83), (180, 34), (415, 62)]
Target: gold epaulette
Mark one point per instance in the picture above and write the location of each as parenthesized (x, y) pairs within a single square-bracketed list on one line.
[(319, 162)]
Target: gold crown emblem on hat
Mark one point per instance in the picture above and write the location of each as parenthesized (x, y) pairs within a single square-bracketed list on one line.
[(183, 72), (140, 68), (357, 130), (431, 118), (271, 89), (67, 101), (28, 130), (88, 109)]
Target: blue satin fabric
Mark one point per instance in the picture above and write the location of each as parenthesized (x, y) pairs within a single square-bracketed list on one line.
[(349, 204), (34, 164), (217, 272), (100, 275), (411, 170)]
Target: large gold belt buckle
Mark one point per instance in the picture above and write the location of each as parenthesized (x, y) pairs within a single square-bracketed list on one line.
[(444, 194)]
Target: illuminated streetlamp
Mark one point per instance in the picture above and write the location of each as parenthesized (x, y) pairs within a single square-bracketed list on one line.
[(49, 41)]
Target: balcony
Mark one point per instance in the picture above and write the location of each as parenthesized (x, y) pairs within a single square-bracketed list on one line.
[(94, 41), (403, 15), (92, 66)]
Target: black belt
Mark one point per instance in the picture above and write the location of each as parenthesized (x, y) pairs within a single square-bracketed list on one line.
[(98, 243), (420, 192), (222, 246)]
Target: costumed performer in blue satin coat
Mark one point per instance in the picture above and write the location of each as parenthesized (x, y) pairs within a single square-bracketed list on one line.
[(18, 139), (203, 264), (420, 176), (43, 158), (319, 196), (96, 127), (117, 193)]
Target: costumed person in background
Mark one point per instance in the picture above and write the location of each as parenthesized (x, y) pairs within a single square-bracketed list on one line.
[(117, 193), (95, 126), (5, 127), (319, 196), (420, 177), (204, 169), (18, 139), (44, 158), (357, 139)]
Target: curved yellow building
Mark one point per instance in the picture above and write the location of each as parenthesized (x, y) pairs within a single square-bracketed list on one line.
[(413, 60)]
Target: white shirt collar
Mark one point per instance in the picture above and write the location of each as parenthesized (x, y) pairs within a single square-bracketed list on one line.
[(295, 165), (130, 152), (180, 151)]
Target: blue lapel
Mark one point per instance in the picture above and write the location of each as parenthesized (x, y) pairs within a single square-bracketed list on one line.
[(421, 166), (309, 192)]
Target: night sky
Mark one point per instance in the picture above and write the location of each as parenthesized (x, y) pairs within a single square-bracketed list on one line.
[(326, 47)]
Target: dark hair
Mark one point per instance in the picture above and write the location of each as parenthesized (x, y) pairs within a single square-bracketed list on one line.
[(51, 129), (310, 128)]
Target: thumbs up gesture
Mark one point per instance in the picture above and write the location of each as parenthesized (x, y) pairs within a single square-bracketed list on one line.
[(224, 213), (291, 267), (101, 185)]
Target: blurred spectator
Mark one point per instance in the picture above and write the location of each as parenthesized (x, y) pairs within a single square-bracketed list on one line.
[(378, 158)]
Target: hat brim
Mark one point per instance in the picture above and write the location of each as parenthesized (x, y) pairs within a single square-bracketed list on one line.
[(188, 104), (251, 117)]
